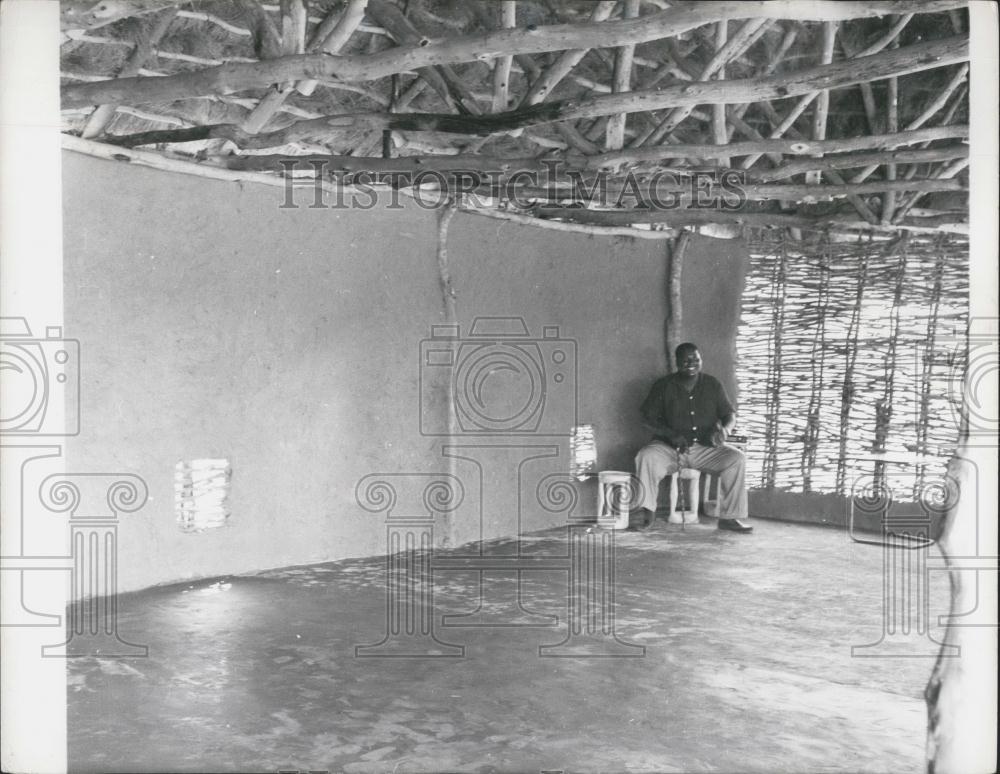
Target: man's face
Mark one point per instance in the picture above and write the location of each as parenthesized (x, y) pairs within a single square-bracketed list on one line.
[(689, 363)]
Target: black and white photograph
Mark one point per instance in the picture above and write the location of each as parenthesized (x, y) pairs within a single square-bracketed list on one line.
[(499, 386)]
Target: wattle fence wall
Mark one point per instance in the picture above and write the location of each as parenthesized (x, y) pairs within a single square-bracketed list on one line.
[(847, 347)]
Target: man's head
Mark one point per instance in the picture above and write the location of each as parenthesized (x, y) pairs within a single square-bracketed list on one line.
[(688, 359)]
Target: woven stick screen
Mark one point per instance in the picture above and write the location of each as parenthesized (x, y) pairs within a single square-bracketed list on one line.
[(846, 348)]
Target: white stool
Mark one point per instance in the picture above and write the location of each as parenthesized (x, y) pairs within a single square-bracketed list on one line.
[(690, 502), (614, 498)]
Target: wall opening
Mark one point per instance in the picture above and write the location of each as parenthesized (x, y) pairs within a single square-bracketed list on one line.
[(201, 494)]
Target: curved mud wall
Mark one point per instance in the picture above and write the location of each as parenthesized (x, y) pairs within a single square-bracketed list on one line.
[(213, 323)]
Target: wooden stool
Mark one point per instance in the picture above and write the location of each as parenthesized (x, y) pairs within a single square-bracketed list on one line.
[(690, 500)]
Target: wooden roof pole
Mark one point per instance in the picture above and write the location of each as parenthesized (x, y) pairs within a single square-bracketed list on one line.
[(331, 35), (740, 42), (569, 59), (622, 81), (719, 132), (806, 99), (694, 217), (404, 33), (144, 49), (852, 196), (502, 65), (847, 161), (891, 125), (939, 101), (946, 172), (412, 165), (915, 58), (821, 107), (736, 113), (468, 48), (945, 121)]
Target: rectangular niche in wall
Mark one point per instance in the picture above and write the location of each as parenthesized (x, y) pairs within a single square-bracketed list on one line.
[(201, 494)]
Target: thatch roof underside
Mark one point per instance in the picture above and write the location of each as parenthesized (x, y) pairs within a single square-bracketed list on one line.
[(831, 115)]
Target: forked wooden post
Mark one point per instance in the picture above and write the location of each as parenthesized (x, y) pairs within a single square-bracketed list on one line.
[(675, 314)]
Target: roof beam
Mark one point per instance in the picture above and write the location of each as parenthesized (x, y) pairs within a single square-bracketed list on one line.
[(144, 48), (728, 50), (231, 77), (551, 76), (915, 58), (644, 159)]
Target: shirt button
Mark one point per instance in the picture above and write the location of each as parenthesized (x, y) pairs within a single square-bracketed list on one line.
[(694, 428)]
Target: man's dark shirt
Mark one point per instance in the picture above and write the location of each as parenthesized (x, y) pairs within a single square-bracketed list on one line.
[(671, 410)]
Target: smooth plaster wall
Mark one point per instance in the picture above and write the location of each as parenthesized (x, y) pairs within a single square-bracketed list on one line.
[(215, 324), (713, 276)]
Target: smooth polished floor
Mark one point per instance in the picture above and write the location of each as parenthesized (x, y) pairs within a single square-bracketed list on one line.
[(736, 655)]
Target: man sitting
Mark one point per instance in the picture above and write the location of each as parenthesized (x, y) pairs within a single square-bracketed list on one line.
[(691, 417)]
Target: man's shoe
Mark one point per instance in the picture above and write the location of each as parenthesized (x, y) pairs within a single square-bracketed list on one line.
[(734, 525)]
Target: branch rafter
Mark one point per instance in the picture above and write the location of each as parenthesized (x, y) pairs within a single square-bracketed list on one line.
[(901, 61), (805, 102), (238, 76)]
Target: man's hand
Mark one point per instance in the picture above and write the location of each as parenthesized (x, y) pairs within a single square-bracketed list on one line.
[(720, 434)]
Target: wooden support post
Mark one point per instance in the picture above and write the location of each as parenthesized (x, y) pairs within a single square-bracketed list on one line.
[(675, 316), (448, 294)]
